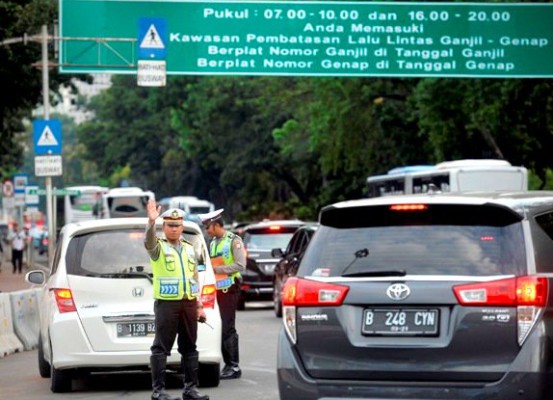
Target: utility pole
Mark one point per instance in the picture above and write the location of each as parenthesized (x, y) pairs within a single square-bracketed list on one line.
[(46, 105), (43, 38)]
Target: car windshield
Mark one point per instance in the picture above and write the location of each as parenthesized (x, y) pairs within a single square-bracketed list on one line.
[(266, 240), (114, 251), (443, 242)]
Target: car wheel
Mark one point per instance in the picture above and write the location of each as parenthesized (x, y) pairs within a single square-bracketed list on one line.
[(208, 375), (43, 365), (60, 380), (277, 301)]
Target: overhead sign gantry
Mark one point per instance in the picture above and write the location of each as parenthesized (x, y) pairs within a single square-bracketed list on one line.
[(311, 38)]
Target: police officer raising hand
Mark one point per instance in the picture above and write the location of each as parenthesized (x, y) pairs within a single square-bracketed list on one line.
[(177, 307)]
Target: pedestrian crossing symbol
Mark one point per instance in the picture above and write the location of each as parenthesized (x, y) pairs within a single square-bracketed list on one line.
[(47, 136), (152, 38)]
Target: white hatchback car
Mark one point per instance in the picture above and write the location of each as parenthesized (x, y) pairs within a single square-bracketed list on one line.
[(96, 310)]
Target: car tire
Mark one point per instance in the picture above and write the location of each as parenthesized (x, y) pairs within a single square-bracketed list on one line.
[(43, 365), (277, 301), (208, 375), (60, 380)]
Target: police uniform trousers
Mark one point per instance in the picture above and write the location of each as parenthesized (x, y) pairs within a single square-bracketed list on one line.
[(228, 302), (174, 317)]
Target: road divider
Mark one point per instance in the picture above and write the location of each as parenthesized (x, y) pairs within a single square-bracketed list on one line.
[(9, 342)]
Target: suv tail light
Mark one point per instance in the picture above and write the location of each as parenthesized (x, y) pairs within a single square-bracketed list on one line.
[(527, 293), (64, 300), (298, 292), (208, 296)]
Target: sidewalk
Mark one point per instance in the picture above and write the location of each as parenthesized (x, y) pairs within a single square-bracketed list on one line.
[(10, 282)]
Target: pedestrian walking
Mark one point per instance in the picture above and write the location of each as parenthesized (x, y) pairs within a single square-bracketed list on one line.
[(177, 307), (228, 259), (17, 239)]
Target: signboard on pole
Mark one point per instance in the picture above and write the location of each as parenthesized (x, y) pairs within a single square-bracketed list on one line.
[(151, 73), (31, 199), (48, 166), (311, 38), (47, 136)]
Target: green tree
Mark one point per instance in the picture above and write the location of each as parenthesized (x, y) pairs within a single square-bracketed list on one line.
[(21, 82)]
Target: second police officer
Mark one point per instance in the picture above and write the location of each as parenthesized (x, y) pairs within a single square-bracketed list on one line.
[(228, 259)]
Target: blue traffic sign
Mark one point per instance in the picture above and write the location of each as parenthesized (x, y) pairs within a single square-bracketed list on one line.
[(152, 38), (47, 136)]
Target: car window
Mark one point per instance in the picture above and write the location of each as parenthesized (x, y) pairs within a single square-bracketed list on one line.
[(419, 250), (441, 240), (114, 251), (266, 240), (542, 240)]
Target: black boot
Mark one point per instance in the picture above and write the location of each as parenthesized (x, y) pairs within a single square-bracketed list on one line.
[(232, 369), (158, 364), (189, 366)]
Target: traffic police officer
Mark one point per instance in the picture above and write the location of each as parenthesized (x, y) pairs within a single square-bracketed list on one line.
[(228, 259), (177, 307)]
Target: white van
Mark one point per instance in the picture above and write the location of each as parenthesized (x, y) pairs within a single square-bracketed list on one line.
[(126, 202), (189, 204)]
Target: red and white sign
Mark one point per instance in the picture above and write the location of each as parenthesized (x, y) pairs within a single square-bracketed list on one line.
[(7, 188)]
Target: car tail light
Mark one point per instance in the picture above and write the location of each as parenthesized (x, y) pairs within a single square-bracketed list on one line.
[(298, 292), (208, 296), (64, 300), (527, 293), (275, 228)]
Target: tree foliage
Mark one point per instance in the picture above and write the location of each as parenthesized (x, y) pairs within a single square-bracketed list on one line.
[(20, 81)]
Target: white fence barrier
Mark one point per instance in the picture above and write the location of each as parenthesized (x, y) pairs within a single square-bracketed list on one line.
[(25, 317), (9, 343)]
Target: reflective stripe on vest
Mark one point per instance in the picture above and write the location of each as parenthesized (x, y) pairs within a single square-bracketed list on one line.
[(174, 272)]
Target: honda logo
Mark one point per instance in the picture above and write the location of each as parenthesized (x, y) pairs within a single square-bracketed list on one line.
[(138, 292), (398, 291)]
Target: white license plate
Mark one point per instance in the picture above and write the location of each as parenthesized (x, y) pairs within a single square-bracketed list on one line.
[(400, 322), (136, 329)]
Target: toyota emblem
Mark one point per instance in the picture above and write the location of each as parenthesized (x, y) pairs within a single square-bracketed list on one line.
[(398, 291)]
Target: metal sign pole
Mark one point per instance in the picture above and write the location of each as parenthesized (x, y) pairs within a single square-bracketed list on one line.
[(46, 101)]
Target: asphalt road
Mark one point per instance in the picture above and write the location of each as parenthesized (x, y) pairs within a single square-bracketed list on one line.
[(258, 330)]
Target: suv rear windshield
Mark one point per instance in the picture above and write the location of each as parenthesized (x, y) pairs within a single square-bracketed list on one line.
[(440, 240)]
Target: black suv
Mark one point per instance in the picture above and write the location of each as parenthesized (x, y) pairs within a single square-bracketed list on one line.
[(259, 240), (289, 262), (423, 297)]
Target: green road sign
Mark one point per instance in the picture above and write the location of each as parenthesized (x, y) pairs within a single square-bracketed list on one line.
[(55, 192), (310, 38)]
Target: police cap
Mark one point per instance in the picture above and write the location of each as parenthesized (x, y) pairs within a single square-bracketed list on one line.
[(213, 216), (173, 214)]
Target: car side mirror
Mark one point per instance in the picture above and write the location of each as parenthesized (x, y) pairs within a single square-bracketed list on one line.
[(277, 253)]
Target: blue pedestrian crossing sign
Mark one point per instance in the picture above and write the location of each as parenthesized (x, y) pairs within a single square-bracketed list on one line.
[(152, 38), (47, 136)]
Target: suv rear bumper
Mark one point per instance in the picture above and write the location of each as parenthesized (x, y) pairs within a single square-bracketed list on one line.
[(295, 384)]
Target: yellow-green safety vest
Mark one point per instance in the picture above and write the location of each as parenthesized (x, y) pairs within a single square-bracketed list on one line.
[(224, 249), (174, 272)]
